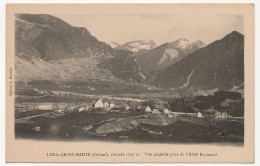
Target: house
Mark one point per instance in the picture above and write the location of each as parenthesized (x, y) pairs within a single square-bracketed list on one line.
[(111, 105), (106, 104), (99, 104), (81, 109), (199, 115), (221, 115), (148, 109), (166, 111), (127, 107)]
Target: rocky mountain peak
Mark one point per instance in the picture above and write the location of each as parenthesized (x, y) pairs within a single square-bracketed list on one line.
[(137, 45), (181, 43)]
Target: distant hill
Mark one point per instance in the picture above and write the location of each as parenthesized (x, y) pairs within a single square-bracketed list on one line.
[(154, 61), (218, 65), (137, 45), (52, 39)]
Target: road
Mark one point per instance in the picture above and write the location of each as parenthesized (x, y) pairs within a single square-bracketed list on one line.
[(97, 96)]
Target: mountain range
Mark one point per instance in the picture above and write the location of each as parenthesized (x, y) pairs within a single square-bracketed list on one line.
[(154, 61), (47, 48)]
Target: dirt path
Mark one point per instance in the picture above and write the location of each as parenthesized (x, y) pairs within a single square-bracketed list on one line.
[(34, 116)]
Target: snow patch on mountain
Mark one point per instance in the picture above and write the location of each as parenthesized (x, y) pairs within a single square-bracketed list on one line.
[(137, 45), (184, 44)]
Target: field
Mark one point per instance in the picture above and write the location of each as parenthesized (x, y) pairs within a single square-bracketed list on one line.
[(88, 126)]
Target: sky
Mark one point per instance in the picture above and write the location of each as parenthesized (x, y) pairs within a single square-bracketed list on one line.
[(161, 24)]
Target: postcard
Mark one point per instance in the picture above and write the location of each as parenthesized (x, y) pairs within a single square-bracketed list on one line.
[(124, 83)]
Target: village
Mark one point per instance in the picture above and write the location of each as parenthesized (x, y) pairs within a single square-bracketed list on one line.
[(127, 117), (123, 106)]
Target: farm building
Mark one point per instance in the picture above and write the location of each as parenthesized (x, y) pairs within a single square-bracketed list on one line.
[(199, 115), (148, 109), (46, 107), (99, 104)]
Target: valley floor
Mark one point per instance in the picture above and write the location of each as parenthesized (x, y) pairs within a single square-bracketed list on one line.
[(71, 116)]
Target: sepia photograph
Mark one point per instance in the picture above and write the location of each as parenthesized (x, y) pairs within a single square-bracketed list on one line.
[(138, 74)]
